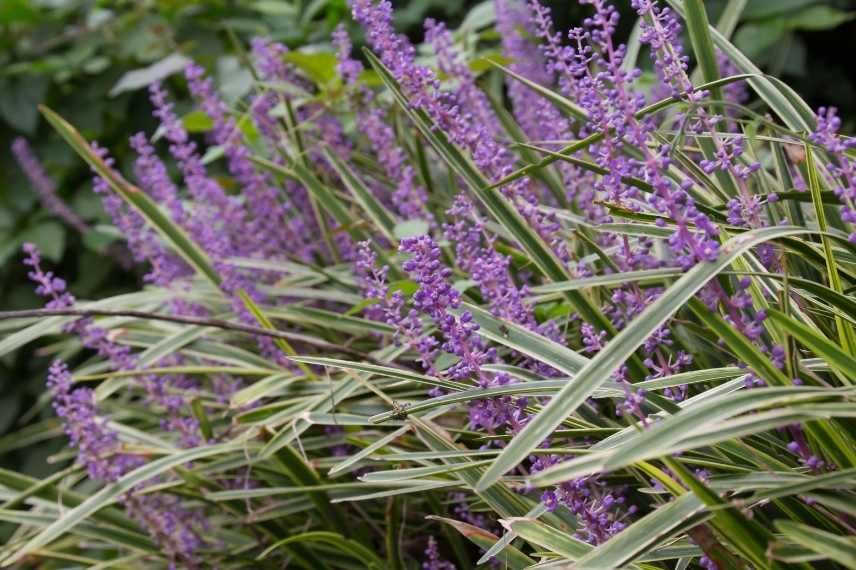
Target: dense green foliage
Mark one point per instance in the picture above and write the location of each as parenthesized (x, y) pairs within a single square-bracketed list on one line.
[(73, 56), (273, 401)]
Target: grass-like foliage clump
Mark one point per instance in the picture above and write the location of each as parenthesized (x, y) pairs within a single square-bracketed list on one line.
[(511, 298)]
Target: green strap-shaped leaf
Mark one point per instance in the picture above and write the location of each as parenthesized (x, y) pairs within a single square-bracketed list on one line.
[(546, 536), (409, 473), (47, 489), (843, 479), (296, 426), (500, 498), (156, 218), (827, 437), (641, 277), (597, 137), (509, 536), (171, 344), (406, 487), (730, 17), (698, 28), (376, 445), (841, 549), (500, 208), (265, 322), (669, 434), (819, 344), (745, 350), (747, 536), (634, 541), (526, 342), (562, 103), (704, 418), (795, 113), (265, 492), (111, 492), (260, 389), (509, 557), (330, 319), (399, 373), (352, 547), (590, 166), (302, 474), (325, 197), (845, 331), (382, 218), (544, 388), (43, 327), (135, 541), (197, 408), (617, 350)]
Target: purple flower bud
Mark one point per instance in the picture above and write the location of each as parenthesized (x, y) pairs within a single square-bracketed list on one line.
[(433, 560)]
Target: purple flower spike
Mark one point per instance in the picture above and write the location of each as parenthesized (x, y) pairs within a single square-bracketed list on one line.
[(266, 227), (422, 89), (143, 242), (171, 525), (844, 167), (436, 298), (433, 560), (97, 446), (120, 356), (44, 186), (473, 101), (409, 198), (217, 221), (390, 307), (48, 284), (537, 116)]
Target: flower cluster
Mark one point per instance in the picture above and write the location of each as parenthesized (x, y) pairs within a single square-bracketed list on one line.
[(172, 525), (265, 212), (390, 307), (301, 245), (98, 446), (451, 114), (49, 285), (438, 299), (409, 197), (538, 117), (594, 505), (433, 560), (843, 170)]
